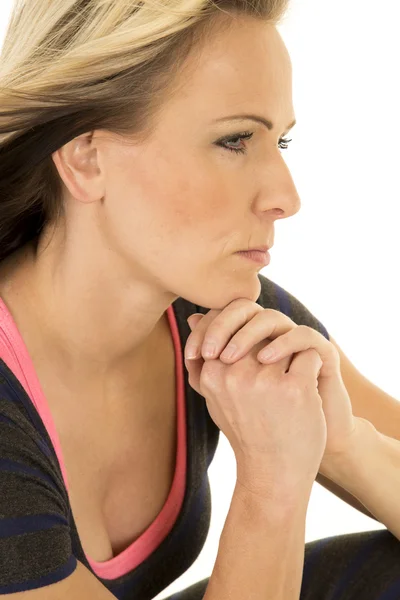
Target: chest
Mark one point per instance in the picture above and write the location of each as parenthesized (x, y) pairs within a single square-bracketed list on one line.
[(119, 456), (120, 466)]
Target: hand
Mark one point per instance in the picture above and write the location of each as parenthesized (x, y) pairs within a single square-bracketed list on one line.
[(245, 323)]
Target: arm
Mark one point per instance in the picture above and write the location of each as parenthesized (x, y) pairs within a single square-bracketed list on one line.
[(370, 471), (343, 494), (368, 402), (261, 549)]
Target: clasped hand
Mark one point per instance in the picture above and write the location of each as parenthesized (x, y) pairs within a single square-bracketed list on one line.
[(244, 324)]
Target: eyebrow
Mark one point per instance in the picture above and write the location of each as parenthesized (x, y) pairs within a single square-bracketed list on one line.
[(268, 124)]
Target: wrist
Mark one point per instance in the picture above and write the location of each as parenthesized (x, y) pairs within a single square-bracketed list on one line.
[(271, 508), (332, 465), (273, 493)]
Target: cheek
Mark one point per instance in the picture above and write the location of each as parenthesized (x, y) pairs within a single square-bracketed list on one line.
[(183, 201), (171, 206)]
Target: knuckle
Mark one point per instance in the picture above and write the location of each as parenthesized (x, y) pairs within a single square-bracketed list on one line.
[(279, 322), (207, 319), (210, 375), (335, 354), (266, 378), (238, 302), (313, 354), (305, 330), (295, 388), (239, 375), (214, 332), (273, 311), (232, 380), (277, 315), (238, 339), (334, 350), (197, 330), (244, 307)]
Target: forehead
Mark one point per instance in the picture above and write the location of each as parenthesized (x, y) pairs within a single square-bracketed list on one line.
[(243, 66)]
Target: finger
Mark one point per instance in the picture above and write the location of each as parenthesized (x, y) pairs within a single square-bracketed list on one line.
[(194, 368), (307, 366), (205, 328), (193, 320), (266, 324), (193, 342), (226, 324), (299, 339)]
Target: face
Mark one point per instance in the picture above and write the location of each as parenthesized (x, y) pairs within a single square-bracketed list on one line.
[(176, 209)]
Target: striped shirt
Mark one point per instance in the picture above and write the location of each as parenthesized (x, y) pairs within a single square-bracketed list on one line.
[(39, 541)]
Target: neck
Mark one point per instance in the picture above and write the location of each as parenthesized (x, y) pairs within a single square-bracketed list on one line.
[(84, 314)]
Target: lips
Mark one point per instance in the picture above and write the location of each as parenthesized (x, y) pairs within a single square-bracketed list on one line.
[(259, 248), (261, 257)]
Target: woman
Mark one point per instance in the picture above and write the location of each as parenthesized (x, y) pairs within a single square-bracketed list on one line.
[(125, 197)]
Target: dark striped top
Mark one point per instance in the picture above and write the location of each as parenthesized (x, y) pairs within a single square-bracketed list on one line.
[(39, 541)]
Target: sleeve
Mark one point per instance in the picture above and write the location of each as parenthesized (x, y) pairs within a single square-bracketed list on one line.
[(35, 542), (274, 296)]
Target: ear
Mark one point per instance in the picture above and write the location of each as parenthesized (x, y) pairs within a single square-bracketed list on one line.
[(77, 165)]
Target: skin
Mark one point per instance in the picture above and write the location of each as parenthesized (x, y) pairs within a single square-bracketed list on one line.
[(148, 223)]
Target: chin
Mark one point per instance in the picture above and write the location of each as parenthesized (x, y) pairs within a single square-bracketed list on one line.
[(225, 291)]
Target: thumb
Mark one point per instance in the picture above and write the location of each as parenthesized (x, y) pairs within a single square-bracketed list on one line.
[(306, 364)]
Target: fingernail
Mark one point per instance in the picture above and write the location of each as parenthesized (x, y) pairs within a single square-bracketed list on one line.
[(229, 351), (267, 354), (191, 351), (209, 349)]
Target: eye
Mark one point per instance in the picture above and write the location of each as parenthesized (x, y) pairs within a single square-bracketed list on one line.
[(284, 143), (245, 135)]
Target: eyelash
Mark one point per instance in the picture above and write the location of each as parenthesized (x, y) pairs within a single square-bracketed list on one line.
[(246, 135)]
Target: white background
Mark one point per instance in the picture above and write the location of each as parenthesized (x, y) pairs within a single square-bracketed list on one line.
[(339, 254)]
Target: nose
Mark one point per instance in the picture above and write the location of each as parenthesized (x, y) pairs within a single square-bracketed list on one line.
[(280, 196)]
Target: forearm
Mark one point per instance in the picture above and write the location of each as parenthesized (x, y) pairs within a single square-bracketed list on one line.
[(261, 550), (370, 471)]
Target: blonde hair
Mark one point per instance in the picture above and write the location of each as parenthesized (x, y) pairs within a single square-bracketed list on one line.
[(68, 67)]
